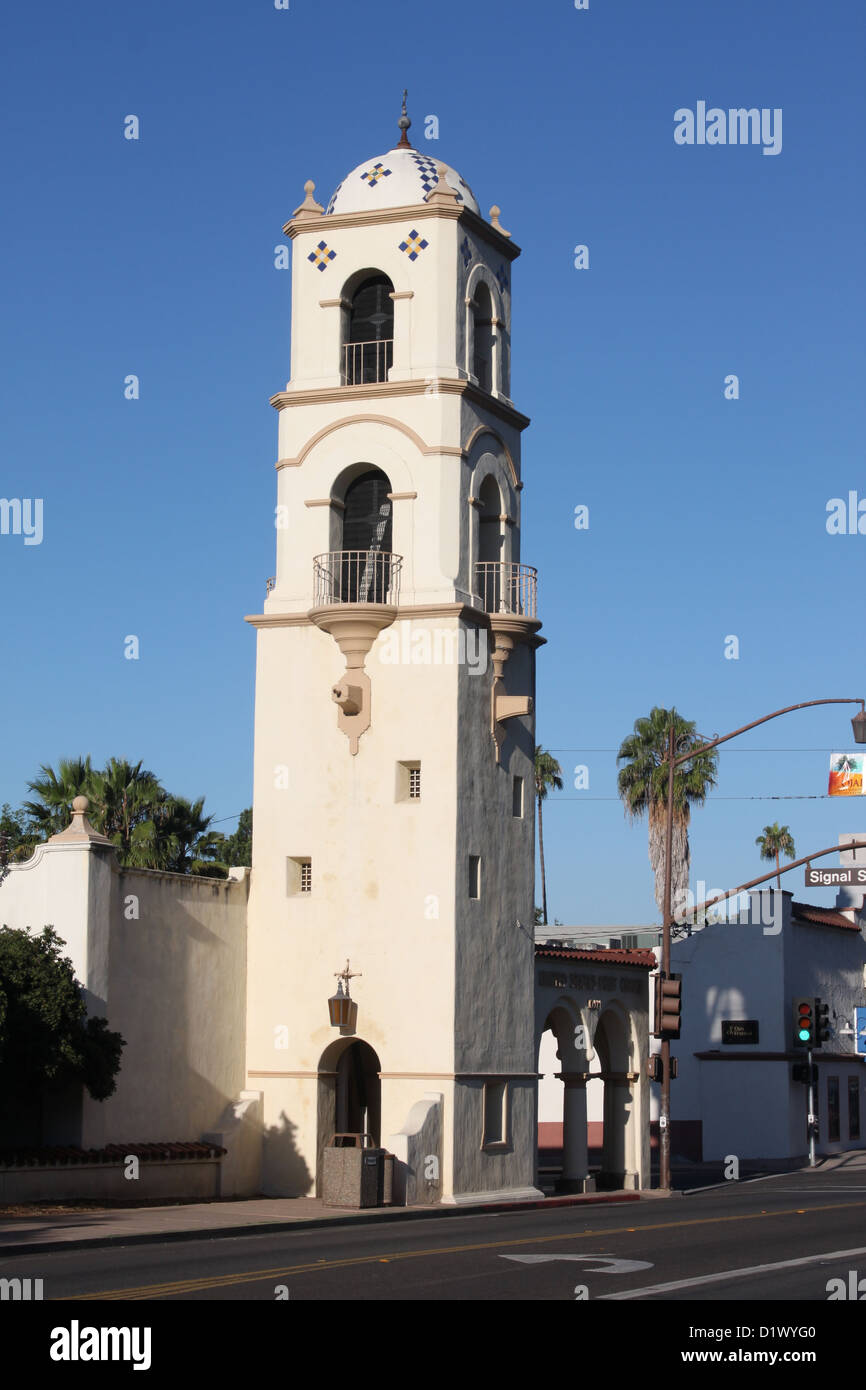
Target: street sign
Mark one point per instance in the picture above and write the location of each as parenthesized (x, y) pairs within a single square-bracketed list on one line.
[(836, 875), (860, 1031)]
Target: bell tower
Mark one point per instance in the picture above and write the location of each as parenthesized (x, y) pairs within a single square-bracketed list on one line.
[(393, 815)]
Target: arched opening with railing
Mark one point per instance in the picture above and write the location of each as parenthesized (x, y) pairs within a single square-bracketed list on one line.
[(368, 342), (362, 567)]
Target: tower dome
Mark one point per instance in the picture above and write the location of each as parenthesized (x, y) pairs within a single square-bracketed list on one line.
[(400, 178)]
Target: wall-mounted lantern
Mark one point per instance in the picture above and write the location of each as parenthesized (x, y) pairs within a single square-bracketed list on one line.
[(342, 1008)]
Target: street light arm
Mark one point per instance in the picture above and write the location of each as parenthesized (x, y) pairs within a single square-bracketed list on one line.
[(714, 743), (720, 897)]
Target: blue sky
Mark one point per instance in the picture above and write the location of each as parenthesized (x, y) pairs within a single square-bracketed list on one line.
[(707, 516)]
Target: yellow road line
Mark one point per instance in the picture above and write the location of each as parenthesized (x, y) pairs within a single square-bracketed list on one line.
[(217, 1281)]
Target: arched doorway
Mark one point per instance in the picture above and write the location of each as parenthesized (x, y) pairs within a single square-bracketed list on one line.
[(349, 1094)]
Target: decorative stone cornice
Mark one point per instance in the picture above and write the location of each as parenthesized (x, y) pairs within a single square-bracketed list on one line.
[(403, 610), (414, 212), (445, 386)]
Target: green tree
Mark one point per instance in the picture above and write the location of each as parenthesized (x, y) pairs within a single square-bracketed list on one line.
[(47, 1042), (18, 836), (774, 841), (240, 844), (548, 774), (643, 787)]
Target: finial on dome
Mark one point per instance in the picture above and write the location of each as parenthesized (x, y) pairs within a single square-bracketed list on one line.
[(495, 214), (404, 124)]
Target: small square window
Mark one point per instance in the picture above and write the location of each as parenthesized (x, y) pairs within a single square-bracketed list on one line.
[(299, 876), (495, 1133), (517, 797), (474, 876), (408, 785)]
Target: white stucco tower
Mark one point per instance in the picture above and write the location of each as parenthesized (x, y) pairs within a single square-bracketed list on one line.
[(394, 734)]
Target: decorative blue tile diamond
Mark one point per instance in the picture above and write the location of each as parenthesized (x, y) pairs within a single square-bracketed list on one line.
[(321, 256), (372, 176), (466, 251), (502, 278), (413, 244)]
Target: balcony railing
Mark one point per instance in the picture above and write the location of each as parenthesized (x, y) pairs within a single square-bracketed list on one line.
[(507, 588), (367, 362), (357, 576)]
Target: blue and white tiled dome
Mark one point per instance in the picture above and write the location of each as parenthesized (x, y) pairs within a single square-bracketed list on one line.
[(400, 178)]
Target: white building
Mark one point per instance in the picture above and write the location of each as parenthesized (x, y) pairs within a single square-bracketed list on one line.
[(735, 1093)]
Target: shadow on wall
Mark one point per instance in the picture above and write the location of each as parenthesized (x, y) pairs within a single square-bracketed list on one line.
[(284, 1171)]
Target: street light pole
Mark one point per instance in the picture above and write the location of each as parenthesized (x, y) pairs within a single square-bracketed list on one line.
[(858, 724), (665, 1111)]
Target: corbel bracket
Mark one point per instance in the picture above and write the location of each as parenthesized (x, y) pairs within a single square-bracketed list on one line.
[(354, 627)]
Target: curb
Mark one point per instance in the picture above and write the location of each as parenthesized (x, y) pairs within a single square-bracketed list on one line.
[(382, 1216)]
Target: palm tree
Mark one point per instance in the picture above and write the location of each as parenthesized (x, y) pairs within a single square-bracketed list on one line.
[(125, 798), (773, 841), (55, 792), (182, 830), (643, 786), (548, 774)]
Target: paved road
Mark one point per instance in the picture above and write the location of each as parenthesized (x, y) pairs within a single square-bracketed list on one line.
[(782, 1238)]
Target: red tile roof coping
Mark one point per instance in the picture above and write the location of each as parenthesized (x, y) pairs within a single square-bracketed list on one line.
[(614, 955), (822, 916), (26, 1156)]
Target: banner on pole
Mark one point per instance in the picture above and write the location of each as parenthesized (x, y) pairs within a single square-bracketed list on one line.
[(846, 774)]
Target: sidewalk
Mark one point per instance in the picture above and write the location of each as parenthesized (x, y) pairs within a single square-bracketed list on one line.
[(97, 1227)]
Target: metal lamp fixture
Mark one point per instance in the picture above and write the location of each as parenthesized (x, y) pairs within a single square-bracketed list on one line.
[(342, 1008), (858, 724)]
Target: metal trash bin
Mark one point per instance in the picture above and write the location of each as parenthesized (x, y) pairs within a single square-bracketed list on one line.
[(353, 1172)]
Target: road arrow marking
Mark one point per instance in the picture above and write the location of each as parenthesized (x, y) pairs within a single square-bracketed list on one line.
[(607, 1264)]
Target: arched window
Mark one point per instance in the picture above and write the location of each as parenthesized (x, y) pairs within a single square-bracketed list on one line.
[(368, 351), (367, 539), (482, 363)]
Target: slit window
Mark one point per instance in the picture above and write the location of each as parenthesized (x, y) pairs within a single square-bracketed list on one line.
[(474, 876), (517, 797)]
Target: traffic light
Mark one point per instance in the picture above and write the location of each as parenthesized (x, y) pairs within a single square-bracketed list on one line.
[(822, 1023), (801, 1072), (804, 1022), (668, 1005)]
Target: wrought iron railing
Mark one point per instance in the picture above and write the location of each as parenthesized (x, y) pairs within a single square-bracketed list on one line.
[(367, 362), (357, 576), (507, 588)]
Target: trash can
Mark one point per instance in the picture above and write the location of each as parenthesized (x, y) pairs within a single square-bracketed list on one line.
[(353, 1172)]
